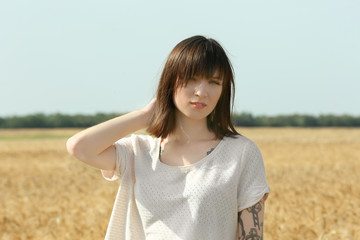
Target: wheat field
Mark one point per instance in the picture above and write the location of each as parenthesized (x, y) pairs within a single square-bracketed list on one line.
[(313, 175)]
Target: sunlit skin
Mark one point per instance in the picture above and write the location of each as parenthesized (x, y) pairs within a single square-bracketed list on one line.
[(198, 98)]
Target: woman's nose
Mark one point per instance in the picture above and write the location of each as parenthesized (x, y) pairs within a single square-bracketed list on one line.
[(201, 89)]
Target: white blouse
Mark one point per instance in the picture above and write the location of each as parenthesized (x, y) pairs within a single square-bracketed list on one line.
[(197, 201)]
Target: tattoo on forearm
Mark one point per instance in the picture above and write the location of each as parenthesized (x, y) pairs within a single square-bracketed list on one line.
[(251, 222), (253, 235), (255, 210), (242, 235)]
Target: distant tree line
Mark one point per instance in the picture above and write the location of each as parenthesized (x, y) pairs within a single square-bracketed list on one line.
[(295, 120), (59, 120)]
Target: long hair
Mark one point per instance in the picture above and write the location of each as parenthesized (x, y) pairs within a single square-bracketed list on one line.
[(194, 56)]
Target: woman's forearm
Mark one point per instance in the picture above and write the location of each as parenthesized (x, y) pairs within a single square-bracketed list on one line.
[(94, 145), (251, 221), (96, 139)]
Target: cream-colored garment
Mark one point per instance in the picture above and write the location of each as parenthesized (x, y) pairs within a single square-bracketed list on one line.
[(125, 221), (199, 201)]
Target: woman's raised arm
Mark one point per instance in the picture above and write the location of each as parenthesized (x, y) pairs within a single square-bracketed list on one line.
[(95, 145)]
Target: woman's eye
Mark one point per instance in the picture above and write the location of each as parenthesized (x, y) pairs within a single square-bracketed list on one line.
[(215, 82)]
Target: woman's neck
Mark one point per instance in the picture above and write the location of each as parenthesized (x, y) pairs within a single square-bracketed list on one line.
[(189, 130)]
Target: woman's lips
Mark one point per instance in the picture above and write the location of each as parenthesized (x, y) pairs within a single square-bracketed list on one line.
[(198, 105)]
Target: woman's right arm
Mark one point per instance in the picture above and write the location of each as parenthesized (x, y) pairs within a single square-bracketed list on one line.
[(95, 145)]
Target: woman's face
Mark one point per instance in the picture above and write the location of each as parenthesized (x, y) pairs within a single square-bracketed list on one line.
[(198, 98)]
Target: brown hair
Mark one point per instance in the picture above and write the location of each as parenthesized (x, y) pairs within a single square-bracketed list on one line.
[(194, 56)]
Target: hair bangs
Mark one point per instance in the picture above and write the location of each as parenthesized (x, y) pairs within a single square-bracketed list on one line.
[(202, 59)]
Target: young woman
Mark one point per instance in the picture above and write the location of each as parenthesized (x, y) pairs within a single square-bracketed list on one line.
[(194, 176)]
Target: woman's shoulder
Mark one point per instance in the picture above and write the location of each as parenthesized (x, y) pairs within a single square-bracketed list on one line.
[(243, 149), (240, 142), (144, 141), (139, 143), (144, 138), (138, 139)]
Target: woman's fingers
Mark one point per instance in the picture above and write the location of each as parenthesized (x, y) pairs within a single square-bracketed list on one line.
[(149, 108)]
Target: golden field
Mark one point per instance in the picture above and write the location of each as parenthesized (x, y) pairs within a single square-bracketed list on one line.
[(314, 176)]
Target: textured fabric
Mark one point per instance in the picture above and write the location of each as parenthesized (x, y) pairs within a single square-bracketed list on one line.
[(198, 201), (125, 221)]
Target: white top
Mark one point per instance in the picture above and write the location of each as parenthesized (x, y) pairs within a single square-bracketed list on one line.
[(197, 201)]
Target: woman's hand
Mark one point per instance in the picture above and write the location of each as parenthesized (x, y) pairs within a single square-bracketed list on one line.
[(149, 109)]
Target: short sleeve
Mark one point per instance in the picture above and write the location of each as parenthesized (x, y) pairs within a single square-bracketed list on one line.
[(124, 154), (252, 184)]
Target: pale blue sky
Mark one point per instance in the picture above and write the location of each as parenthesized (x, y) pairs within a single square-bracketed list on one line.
[(106, 56)]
